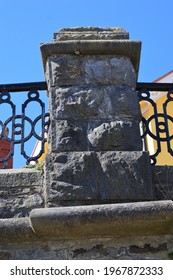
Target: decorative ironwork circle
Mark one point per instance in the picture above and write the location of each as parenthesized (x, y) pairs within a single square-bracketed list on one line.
[(154, 136), (161, 126), (19, 125)]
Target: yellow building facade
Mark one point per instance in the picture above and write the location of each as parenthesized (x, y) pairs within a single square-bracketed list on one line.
[(158, 112)]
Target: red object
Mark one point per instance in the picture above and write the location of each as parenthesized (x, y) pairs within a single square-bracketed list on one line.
[(4, 151)]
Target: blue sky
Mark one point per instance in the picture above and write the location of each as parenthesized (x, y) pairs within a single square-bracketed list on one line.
[(26, 24)]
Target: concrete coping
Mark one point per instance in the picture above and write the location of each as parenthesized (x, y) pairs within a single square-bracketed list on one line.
[(90, 33), (93, 221), (19, 170), (128, 48), (16, 229)]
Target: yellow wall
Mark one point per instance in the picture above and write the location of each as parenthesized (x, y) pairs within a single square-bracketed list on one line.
[(44, 154), (164, 158)]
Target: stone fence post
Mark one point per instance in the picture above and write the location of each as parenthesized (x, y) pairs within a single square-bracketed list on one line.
[(95, 151)]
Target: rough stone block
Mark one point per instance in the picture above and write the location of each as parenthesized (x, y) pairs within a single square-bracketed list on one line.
[(94, 102), (66, 135), (97, 177), (94, 135), (127, 176), (71, 70), (20, 192), (73, 177), (20, 177), (114, 136), (109, 70)]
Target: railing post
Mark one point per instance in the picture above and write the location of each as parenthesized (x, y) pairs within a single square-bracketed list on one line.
[(95, 151)]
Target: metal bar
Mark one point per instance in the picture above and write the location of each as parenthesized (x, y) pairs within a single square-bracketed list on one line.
[(43, 86), (23, 87), (154, 86)]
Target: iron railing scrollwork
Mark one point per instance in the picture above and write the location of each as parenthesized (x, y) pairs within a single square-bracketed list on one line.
[(13, 128), (157, 122), (155, 125)]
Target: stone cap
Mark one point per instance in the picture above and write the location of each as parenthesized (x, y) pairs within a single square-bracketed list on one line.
[(93, 41), (90, 33), (91, 221), (127, 48)]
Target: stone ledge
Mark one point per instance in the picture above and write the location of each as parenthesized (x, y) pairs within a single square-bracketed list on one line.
[(20, 177), (129, 48), (15, 229), (128, 219), (84, 222)]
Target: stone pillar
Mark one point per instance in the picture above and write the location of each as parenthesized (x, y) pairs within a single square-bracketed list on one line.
[(95, 151)]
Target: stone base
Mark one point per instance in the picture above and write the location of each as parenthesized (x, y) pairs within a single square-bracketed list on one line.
[(80, 178)]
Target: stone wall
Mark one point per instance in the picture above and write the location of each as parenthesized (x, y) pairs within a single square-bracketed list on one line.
[(145, 248), (21, 191)]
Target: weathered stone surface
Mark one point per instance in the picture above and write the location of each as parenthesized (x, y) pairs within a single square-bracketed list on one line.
[(20, 191), (114, 102), (137, 248), (71, 70), (20, 177), (90, 33), (115, 136), (16, 229), (109, 70), (88, 177), (70, 135), (162, 177), (127, 176), (110, 250), (71, 178)]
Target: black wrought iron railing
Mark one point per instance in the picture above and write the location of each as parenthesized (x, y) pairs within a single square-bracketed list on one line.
[(18, 126), (156, 101)]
